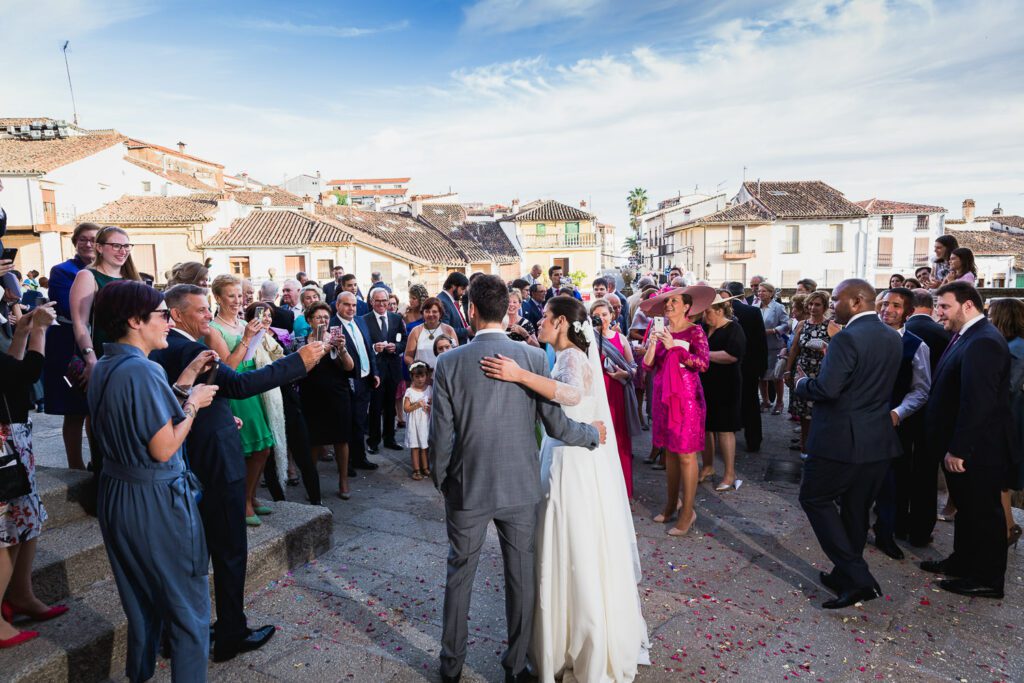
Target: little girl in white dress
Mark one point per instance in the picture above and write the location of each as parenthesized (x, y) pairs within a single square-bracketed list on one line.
[(416, 404)]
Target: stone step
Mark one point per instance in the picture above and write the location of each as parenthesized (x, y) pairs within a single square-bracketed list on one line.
[(88, 643), (60, 489)]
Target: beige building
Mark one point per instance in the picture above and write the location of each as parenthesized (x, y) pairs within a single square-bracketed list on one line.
[(552, 233)]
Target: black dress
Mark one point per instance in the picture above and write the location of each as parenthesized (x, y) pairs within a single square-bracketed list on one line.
[(327, 403), (722, 382)]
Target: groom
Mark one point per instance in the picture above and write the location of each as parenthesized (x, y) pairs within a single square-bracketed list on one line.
[(483, 451)]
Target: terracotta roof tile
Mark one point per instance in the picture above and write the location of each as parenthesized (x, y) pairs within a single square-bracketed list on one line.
[(43, 156), (279, 228), (886, 207), (135, 143), (373, 181), (177, 177), (493, 240), (131, 209), (397, 231), (747, 212), (802, 199), (469, 238), (278, 197), (991, 243), (550, 210)]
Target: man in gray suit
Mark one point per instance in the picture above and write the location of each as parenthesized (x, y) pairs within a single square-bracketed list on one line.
[(851, 440), (470, 414)]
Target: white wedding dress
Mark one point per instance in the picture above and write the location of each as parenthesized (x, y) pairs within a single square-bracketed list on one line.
[(588, 625)]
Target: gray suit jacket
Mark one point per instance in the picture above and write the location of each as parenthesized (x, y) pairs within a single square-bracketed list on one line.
[(850, 422), (483, 439)]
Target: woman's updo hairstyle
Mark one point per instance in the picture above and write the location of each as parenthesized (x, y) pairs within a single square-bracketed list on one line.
[(574, 312), (222, 282)]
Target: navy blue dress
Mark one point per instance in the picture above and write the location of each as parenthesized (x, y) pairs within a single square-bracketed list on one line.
[(149, 517), (60, 345)]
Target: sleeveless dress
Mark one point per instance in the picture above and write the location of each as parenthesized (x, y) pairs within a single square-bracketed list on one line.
[(425, 345), (255, 433), (588, 624), (809, 360), (677, 407), (617, 404), (99, 338)]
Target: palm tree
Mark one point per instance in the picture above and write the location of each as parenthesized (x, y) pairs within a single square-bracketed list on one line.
[(631, 246), (637, 201)]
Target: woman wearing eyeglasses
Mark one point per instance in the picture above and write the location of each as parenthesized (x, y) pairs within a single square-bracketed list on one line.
[(113, 262)]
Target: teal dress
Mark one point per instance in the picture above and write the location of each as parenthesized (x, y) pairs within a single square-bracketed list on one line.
[(255, 432), (99, 338), (149, 518)]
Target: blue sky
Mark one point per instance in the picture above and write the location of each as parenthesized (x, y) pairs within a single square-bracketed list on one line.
[(911, 100)]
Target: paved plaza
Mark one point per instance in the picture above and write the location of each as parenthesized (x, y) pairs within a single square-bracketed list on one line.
[(737, 599)]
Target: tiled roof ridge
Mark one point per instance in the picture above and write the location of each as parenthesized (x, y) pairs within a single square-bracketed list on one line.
[(142, 144), (551, 210), (802, 199), (279, 228), (888, 206), (42, 156)]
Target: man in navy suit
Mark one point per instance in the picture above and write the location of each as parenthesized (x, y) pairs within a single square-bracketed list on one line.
[(533, 307), (215, 454), (851, 440), (971, 428), (366, 376), (924, 490), (333, 288), (350, 284), (455, 286), (387, 334)]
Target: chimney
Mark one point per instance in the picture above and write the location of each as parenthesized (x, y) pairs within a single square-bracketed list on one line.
[(968, 210), (307, 205), (245, 180), (376, 202), (583, 204), (181, 147), (515, 206), (416, 206), (758, 188), (998, 211)]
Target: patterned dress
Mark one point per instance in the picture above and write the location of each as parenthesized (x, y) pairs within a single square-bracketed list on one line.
[(21, 519), (678, 408), (809, 360)]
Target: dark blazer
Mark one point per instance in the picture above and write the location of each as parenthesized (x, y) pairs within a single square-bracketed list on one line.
[(851, 422), (968, 408), (213, 447), (755, 360), (331, 290), (389, 364), (933, 334), (451, 317), (350, 344), (533, 311)]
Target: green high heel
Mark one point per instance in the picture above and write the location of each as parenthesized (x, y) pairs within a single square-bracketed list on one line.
[(253, 521)]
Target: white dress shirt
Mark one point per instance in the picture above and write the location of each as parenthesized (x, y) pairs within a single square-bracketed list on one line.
[(357, 339), (920, 382)]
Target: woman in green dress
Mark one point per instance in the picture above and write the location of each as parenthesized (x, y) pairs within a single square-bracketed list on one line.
[(113, 262), (230, 337)]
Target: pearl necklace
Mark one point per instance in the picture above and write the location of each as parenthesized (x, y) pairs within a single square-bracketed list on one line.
[(232, 325)]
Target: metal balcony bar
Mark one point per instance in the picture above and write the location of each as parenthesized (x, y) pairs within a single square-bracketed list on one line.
[(584, 239)]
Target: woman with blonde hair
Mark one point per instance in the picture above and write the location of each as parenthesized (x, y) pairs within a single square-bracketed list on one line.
[(113, 262), (189, 273)]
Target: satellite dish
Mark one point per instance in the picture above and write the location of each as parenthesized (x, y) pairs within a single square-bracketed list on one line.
[(266, 201)]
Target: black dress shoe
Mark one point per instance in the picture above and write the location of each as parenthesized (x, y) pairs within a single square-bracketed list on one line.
[(831, 582), (393, 446), (257, 638), (940, 567), (451, 679), (372, 450), (971, 588), (889, 547), (366, 464), (852, 597)]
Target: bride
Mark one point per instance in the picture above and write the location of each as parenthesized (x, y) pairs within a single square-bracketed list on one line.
[(588, 625)]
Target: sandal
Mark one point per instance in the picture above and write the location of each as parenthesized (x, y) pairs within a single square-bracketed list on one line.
[(735, 486), (426, 472), (416, 475)]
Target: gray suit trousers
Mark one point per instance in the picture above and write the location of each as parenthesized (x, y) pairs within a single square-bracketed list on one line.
[(467, 530)]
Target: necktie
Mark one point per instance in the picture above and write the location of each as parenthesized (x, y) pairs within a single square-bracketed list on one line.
[(384, 326), (951, 342), (364, 360)]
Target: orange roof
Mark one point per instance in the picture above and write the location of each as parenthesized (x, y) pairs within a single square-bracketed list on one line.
[(135, 143), (347, 181), (36, 157)]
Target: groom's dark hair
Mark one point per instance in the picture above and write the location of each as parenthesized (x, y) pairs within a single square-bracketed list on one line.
[(489, 294)]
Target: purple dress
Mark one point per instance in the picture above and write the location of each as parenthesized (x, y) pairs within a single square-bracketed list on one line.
[(678, 408)]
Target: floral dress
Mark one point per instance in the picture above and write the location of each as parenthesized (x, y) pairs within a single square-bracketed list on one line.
[(21, 518), (809, 360)]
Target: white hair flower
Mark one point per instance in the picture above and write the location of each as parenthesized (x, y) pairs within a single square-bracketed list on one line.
[(578, 326)]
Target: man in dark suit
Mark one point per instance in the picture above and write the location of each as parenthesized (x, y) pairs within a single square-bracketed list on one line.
[(970, 425), (755, 362), (366, 376), (215, 455), (851, 440), (350, 284), (555, 274), (925, 466), (387, 334), (332, 288), (455, 286), (533, 307)]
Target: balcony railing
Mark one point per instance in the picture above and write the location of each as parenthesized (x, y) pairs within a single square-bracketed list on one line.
[(736, 250), (884, 261), (922, 260), (583, 239), (789, 247)]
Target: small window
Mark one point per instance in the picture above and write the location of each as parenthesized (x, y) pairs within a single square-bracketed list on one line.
[(885, 252), (922, 222), (146, 186), (834, 243), (886, 222), (542, 229), (294, 264), (324, 268), (239, 265)]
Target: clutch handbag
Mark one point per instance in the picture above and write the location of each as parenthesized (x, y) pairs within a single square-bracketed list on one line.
[(14, 482)]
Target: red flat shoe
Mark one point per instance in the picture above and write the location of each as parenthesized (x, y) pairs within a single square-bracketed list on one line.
[(8, 613), (22, 637)]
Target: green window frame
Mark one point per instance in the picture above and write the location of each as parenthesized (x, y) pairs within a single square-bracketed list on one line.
[(541, 230)]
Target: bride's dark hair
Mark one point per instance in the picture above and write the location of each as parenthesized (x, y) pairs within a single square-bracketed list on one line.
[(574, 312)]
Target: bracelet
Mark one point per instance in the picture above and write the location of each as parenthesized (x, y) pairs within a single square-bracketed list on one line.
[(181, 391)]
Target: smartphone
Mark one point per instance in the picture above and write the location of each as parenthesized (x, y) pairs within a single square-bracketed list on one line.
[(8, 254), (659, 324), (321, 333)]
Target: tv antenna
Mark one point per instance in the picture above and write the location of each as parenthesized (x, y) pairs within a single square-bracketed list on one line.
[(74, 108)]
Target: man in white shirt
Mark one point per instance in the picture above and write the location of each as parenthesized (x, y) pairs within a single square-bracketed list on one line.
[(367, 377)]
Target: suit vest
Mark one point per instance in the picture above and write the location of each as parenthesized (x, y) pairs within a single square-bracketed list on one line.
[(905, 376)]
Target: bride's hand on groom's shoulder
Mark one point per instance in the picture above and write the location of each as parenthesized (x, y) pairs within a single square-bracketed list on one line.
[(602, 433), (501, 368)]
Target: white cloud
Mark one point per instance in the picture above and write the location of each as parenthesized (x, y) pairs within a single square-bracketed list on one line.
[(513, 15), (323, 30)]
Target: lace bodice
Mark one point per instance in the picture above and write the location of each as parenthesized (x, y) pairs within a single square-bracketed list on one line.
[(572, 376)]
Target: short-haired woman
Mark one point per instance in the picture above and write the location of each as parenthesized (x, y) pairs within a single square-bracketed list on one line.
[(776, 326), (147, 506), (1008, 317), (518, 327), (420, 345)]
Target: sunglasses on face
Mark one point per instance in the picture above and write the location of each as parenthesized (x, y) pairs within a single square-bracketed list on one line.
[(165, 312)]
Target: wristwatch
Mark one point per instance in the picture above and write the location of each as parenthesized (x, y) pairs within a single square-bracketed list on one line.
[(87, 350), (181, 392)]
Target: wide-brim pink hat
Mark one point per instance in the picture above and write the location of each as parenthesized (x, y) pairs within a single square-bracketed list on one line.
[(702, 297)]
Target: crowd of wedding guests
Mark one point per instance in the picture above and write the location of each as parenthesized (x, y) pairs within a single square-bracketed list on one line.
[(196, 395)]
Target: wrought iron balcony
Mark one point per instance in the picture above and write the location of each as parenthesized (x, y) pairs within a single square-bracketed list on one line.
[(737, 250), (557, 240), (884, 261)]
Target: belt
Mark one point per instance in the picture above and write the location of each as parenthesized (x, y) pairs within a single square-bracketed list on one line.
[(187, 490)]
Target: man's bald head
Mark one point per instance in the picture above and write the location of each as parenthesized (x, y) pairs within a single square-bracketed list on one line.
[(851, 297)]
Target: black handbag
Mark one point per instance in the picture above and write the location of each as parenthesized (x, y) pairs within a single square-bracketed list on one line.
[(14, 482)]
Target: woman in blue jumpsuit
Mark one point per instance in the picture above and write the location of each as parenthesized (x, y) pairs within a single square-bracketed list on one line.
[(147, 498)]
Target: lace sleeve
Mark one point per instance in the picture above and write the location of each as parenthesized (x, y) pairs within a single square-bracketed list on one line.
[(572, 377)]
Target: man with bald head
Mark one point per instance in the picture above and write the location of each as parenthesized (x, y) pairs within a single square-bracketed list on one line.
[(852, 438), (365, 376)]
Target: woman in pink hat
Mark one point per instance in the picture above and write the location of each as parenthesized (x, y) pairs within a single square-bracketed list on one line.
[(676, 354)]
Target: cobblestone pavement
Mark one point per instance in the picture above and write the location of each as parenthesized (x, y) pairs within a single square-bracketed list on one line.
[(737, 599)]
